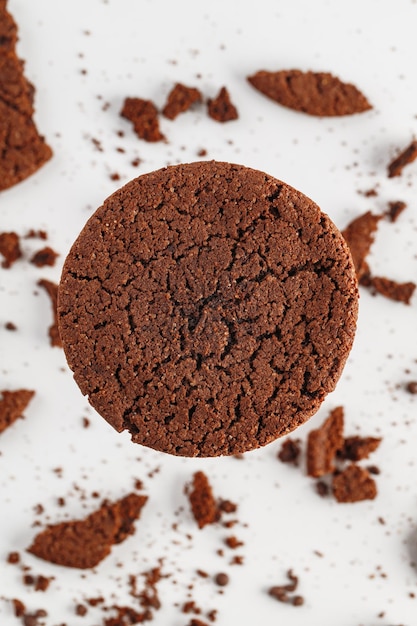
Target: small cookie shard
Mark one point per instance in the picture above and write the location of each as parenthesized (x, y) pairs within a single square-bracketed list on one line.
[(358, 448), (144, 116), (395, 209), (12, 405), (400, 292), (395, 168), (84, 543), (46, 256), (359, 235), (22, 150), (203, 503), (216, 312), (314, 93), (354, 484), (324, 443), (221, 108), (10, 248), (180, 99), (52, 291)]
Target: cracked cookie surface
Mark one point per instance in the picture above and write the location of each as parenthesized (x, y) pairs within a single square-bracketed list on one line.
[(207, 308)]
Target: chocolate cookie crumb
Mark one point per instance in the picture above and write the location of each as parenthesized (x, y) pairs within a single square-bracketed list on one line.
[(144, 116), (84, 543), (233, 542), (12, 405), (281, 592), (399, 292), (314, 93), (52, 291), (221, 108), (358, 448), (203, 504), (13, 558), (180, 99), (290, 451), (36, 234), (354, 484), (408, 155), (359, 235), (10, 326), (46, 256), (81, 610), (22, 150), (10, 248), (197, 622), (412, 387), (395, 209), (221, 579), (227, 506), (323, 444), (322, 488), (18, 607)]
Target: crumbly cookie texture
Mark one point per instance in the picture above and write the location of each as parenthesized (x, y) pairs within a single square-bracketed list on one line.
[(22, 150), (207, 308)]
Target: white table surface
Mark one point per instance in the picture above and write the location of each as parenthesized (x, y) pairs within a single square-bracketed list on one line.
[(353, 569)]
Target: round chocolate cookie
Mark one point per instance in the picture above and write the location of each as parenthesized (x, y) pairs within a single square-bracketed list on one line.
[(207, 308)]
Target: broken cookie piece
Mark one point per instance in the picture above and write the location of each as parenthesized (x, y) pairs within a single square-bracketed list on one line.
[(12, 406)]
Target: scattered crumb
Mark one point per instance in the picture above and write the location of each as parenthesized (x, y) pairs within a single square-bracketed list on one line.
[(354, 484), (221, 108), (323, 444), (359, 236), (221, 579), (46, 256), (282, 592), (358, 448), (203, 504), (290, 451), (52, 291), (406, 157), (144, 116), (12, 405), (395, 209), (399, 292), (10, 248), (179, 100)]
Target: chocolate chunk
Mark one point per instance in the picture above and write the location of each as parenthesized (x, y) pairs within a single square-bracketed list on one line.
[(22, 150), (180, 99), (353, 485), (84, 543), (395, 168), (323, 444), (221, 108), (315, 93), (12, 405), (144, 116), (216, 313)]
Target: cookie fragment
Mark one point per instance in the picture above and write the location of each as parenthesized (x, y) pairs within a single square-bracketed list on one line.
[(358, 448), (84, 543), (22, 150), (203, 503), (221, 108), (12, 406), (360, 235), (400, 292), (52, 291), (144, 116), (354, 484), (407, 156), (323, 444), (290, 451), (395, 209), (10, 248), (45, 256), (314, 93), (216, 313), (180, 99)]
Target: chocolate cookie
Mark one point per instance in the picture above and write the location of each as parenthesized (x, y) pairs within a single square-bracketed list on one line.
[(207, 308)]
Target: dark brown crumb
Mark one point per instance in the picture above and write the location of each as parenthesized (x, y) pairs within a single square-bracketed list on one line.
[(125, 616), (221, 579), (52, 291), (322, 488), (412, 387), (202, 152), (18, 607), (144, 116), (36, 234), (233, 542), (369, 193), (136, 162), (12, 405), (314, 93), (42, 583), (81, 610), (359, 236), (282, 592), (10, 326), (46, 256), (86, 422), (202, 573), (197, 622), (203, 504), (13, 558), (323, 444), (114, 176), (84, 543), (354, 484), (10, 248), (408, 155), (237, 560), (179, 100), (373, 469), (395, 209), (191, 607), (290, 451), (221, 108), (399, 292), (358, 448), (212, 615), (227, 506)]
